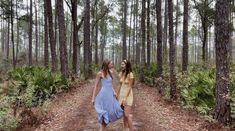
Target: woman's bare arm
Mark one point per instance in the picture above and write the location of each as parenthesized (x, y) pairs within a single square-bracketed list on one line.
[(97, 83), (131, 80)]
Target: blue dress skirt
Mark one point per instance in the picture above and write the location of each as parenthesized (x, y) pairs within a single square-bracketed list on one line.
[(106, 105)]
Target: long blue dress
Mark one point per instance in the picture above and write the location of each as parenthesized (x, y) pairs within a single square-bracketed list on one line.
[(106, 105)]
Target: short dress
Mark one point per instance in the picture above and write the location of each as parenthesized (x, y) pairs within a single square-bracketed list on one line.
[(107, 107), (125, 88)]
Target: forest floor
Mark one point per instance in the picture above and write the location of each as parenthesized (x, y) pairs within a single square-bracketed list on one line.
[(73, 111)]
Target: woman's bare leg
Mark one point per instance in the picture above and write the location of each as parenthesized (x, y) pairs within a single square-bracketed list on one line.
[(103, 125), (127, 110), (125, 123)]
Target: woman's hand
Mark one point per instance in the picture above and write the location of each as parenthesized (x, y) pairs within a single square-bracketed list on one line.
[(115, 94), (93, 102), (124, 103)]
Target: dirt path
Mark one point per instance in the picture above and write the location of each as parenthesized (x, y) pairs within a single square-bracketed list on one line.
[(73, 111)]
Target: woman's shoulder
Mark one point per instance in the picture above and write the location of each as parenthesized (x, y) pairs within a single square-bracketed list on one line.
[(131, 75), (120, 74), (100, 74)]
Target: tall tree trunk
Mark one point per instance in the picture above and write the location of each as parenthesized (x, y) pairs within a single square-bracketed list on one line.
[(138, 35), (143, 41), (75, 36), (2, 36), (8, 39), (129, 46), (30, 33), (230, 33), (204, 42), (56, 28), (176, 29), (102, 48), (148, 33), (159, 37), (51, 36), (172, 52), (62, 39), (39, 37), (222, 108), (185, 38), (12, 36), (96, 41), (87, 66), (17, 32), (165, 33), (70, 41), (134, 33), (124, 49), (36, 31), (46, 52)]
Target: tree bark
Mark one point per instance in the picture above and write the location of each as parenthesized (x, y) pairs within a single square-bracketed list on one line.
[(46, 52), (36, 31), (87, 66), (165, 33), (143, 41), (12, 36), (222, 108), (75, 36), (51, 36), (124, 49), (185, 38), (159, 38), (172, 52), (62, 39), (148, 34)]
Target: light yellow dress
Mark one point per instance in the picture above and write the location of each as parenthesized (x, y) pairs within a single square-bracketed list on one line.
[(125, 88)]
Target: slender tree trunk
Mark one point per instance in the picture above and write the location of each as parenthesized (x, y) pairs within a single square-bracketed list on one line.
[(124, 49), (165, 33), (12, 36), (75, 35), (148, 34), (185, 38), (62, 39), (56, 28), (143, 41), (17, 32), (138, 35), (8, 39), (39, 38), (176, 28), (172, 52), (134, 33), (70, 41), (46, 52), (159, 37), (96, 40), (51, 36), (30, 33), (230, 33), (87, 66), (36, 32), (222, 108), (129, 46), (2, 36), (204, 42)]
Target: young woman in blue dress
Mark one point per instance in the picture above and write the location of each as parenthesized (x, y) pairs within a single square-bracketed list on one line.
[(106, 105)]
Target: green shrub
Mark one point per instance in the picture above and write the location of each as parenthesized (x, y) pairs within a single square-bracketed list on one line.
[(33, 85), (7, 120), (198, 90)]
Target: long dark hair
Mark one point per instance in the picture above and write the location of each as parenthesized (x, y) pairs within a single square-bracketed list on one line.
[(105, 68), (128, 68)]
